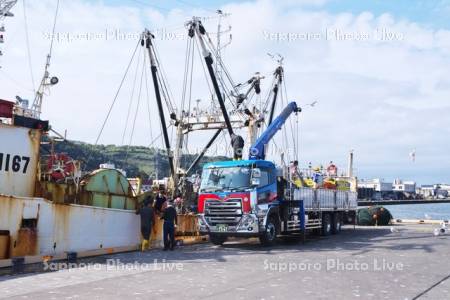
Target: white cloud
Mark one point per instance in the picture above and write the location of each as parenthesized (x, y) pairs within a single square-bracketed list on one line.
[(381, 96)]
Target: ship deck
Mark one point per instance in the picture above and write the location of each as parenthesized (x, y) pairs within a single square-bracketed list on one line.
[(406, 262)]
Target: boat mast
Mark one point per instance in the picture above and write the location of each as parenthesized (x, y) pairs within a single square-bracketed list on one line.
[(196, 29), (278, 74), (36, 108), (177, 153), (147, 41), (219, 45)]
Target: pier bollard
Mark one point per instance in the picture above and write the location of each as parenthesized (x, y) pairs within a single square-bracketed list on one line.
[(18, 264), (72, 257)]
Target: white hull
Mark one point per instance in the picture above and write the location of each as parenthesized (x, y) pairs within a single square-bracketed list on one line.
[(62, 228)]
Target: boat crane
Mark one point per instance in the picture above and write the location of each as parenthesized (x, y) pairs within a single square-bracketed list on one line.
[(186, 122), (196, 29), (231, 116)]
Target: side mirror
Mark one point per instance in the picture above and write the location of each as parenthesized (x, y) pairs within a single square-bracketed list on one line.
[(255, 181), (256, 173), (255, 178)]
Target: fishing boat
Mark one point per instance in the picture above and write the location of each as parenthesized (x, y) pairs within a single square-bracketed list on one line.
[(51, 208)]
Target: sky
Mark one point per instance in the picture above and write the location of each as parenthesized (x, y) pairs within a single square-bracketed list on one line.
[(379, 71)]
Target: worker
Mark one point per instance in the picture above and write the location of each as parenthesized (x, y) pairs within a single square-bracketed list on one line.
[(332, 169), (294, 170), (147, 221), (179, 201), (170, 223), (317, 177), (295, 173), (159, 203)]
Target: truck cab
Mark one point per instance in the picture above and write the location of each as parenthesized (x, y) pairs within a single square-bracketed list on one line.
[(234, 198)]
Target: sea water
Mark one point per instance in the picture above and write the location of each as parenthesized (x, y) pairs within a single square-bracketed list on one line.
[(432, 211)]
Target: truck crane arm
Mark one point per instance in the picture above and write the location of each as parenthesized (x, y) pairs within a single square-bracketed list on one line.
[(257, 150)]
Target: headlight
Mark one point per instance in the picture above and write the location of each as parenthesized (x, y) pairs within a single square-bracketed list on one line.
[(260, 212), (247, 221)]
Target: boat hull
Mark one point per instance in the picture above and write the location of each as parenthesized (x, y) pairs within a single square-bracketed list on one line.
[(38, 229), (37, 226)]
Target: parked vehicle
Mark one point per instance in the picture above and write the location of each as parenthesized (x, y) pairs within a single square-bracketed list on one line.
[(254, 198)]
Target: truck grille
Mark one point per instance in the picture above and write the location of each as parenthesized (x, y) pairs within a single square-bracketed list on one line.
[(223, 212)]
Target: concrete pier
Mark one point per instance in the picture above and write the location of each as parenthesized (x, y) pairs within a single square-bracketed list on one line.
[(403, 261)]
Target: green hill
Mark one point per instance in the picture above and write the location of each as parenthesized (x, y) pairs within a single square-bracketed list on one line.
[(135, 160)]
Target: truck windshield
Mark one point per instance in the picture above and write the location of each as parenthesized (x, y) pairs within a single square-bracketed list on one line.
[(230, 178)]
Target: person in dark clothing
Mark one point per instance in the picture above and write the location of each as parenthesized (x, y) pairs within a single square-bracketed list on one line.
[(170, 222), (160, 200), (147, 221), (237, 142)]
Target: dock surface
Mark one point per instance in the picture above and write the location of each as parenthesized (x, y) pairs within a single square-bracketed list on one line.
[(401, 262)]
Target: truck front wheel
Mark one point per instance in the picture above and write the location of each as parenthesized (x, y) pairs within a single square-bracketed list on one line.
[(217, 240), (269, 236)]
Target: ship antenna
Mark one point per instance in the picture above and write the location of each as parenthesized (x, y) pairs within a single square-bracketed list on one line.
[(46, 81), (219, 46)]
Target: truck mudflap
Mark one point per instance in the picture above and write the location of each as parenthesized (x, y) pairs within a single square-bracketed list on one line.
[(247, 226)]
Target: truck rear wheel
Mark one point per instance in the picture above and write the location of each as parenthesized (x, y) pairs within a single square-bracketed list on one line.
[(217, 239), (269, 236), (326, 224), (337, 223)]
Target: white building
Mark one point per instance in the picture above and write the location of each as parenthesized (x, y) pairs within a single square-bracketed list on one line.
[(404, 186), (377, 184), (444, 186)]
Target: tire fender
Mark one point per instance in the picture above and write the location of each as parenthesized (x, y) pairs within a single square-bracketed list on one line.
[(273, 211)]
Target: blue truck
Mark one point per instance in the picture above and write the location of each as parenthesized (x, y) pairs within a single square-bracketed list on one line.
[(255, 198)]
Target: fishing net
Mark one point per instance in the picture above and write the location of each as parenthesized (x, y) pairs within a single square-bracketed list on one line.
[(373, 215)]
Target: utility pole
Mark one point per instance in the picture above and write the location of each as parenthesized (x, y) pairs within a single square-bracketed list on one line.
[(350, 164)]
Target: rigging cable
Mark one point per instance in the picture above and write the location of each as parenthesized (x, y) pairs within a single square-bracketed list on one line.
[(137, 110), (220, 61), (27, 40), (17, 83), (203, 67), (186, 141), (117, 94), (132, 96), (186, 64), (54, 28), (164, 81), (291, 125), (148, 101), (284, 131), (158, 137), (185, 75)]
